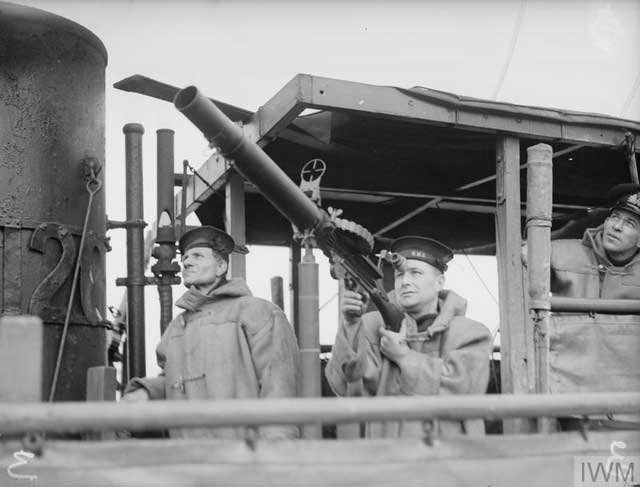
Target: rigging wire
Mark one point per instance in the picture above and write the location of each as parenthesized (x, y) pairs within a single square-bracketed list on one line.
[(512, 46), (475, 270), (631, 95)]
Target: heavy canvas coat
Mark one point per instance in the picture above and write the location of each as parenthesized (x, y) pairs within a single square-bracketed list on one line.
[(593, 352), (225, 345), (581, 269), (455, 361)]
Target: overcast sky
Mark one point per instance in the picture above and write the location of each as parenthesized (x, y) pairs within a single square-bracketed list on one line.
[(580, 55)]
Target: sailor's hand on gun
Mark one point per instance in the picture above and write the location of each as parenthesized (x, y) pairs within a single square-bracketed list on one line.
[(354, 305), (393, 345)]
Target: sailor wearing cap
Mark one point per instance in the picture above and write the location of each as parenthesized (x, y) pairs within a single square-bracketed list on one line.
[(621, 230), (452, 361), (205, 257), (226, 344), (598, 352), (605, 263)]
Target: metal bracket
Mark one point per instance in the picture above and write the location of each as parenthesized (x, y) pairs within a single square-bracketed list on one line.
[(430, 429), (111, 224), (147, 281), (33, 442)]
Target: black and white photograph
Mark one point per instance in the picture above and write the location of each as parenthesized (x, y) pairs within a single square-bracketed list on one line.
[(319, 243)]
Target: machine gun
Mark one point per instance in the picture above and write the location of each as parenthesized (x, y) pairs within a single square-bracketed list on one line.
[(345, 243)]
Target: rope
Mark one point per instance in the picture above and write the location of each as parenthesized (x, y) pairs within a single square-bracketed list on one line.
[(93, 186), (197, 174)]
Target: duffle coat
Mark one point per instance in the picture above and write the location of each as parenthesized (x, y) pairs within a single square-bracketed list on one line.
[(227, 344), (581, 269), (455, 361), (593, 352)]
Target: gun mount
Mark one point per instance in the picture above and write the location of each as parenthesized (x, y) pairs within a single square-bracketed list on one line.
[(345, 243)]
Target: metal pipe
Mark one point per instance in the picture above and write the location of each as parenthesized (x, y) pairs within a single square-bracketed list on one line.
[(631, 156), (165, 269), (79, 416), (229, 138), (309, 338), (539, 205), (135, 250), (277, 291), (586, 305), (183, 198)]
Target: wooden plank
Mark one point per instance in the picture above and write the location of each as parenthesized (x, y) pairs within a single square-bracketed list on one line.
[(278, 112), (235, 222), (21, 339), (514, 371), (493, 460), (438, 108)]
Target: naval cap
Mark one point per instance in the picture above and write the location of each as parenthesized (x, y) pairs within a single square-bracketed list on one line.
[(625, 196), (425, 249), (207, 236)]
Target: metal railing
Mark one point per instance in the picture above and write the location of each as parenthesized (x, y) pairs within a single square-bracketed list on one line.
[(77, 417)]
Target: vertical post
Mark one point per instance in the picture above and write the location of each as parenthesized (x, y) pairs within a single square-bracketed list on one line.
[(513, 317), (101, 383), (101, 386), (135, 250), (309, 337), (346, 431), (183, 200), (235, 222), (277, 291), (165, 269), (539, 207), (294, 286)]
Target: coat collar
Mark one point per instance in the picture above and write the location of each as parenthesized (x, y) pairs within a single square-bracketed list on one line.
[(194, 300)]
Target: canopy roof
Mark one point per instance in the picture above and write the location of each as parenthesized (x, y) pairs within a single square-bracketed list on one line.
[(389, 151)]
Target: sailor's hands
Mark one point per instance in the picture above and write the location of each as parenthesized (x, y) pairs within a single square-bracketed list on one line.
[(393, 345), (353, 306), (453, 305), (139, 395)]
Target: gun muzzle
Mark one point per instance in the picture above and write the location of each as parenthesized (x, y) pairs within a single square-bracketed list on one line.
[(249, 159)]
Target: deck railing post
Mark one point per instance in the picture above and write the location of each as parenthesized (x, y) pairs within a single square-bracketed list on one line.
[(539, 203)]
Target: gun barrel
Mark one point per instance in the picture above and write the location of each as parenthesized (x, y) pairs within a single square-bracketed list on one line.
[(249, 159)]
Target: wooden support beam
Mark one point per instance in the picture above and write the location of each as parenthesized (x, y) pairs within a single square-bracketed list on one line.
[(514, 371), (20, 359), (235, 222), (212, 176)]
